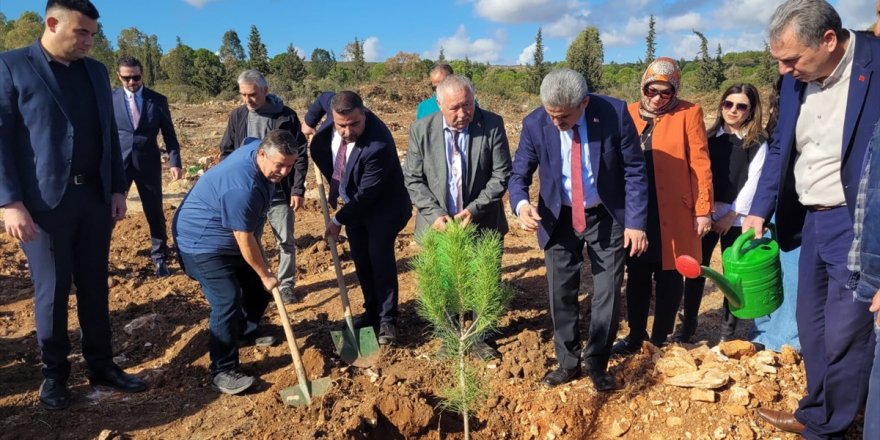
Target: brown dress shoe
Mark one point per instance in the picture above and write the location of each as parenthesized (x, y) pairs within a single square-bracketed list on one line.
[(781, 420)]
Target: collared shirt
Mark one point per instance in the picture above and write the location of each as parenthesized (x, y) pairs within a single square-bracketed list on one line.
[(591, 193), (819, 136), (138, 100), (334, 148), (462, 139), (853, 262)]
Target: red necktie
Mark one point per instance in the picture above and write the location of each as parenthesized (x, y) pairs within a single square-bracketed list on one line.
[(578, 217)]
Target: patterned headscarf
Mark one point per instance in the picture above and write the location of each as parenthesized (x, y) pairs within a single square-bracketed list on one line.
[(661, 70)]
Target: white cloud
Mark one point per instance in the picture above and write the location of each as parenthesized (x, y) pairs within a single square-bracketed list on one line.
[(197, 3), (460, 46), (568, 26), (686, 22), (522, 11), (687, 47), (856, 14), (372, 49), (745, 14), (527, 55)]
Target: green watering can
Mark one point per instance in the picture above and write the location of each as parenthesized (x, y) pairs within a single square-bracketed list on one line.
[(752, 280)]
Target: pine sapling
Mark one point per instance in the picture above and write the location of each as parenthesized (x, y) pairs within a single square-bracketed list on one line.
[(461, 295)]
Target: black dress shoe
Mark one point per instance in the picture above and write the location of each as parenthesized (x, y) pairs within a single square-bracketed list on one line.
[(54, 394), (387, 333), (363, 320), (602, 380), (560, 376), (162, 269), (114, 377), (627, 346)]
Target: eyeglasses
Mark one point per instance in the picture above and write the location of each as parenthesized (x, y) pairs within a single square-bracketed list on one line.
[(651, 92), (727, 105), (134, 78)]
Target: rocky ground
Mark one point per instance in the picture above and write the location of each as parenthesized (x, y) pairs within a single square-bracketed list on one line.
[(700, 391)]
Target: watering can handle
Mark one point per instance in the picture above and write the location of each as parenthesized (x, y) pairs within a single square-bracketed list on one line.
[(748, 236)]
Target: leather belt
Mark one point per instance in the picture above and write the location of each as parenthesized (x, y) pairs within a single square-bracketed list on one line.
[(80, 179), (820, 208)]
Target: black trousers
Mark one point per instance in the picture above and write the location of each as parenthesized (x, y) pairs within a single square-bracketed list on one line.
[(564, 257), (149, 186), (372, 250), (668, 291), (693, 287), (73, 244)]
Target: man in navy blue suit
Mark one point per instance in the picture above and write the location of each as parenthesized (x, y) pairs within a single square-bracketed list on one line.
[(62, 186), (827, 111), (593, 193), (319, 108), (141, 114), (357, 155)]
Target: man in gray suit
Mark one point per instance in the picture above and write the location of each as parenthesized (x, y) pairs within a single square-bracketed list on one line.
[(457, 167)]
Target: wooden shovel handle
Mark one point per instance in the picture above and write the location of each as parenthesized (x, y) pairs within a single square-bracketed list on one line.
[(291, 342), (340, 278)]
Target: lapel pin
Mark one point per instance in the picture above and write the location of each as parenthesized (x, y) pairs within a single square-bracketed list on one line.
[(596, 120), (861, 78)]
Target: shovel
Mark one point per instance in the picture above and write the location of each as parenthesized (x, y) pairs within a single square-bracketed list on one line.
[(355, 346), (302, 393)]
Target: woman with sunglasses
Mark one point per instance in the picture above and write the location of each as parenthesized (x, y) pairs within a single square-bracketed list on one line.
[(737, 146), (673, 139)]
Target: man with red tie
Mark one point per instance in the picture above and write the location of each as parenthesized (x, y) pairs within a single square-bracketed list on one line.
[(593, 193)]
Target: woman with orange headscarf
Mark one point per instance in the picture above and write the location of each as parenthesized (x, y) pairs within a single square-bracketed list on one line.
[(673, 138)]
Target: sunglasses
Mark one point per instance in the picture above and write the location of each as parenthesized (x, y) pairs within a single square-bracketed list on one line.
[(651, 92), (727, 105), (131, 78)]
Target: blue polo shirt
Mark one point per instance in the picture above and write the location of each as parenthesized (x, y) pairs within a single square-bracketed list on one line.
[(232, 196)]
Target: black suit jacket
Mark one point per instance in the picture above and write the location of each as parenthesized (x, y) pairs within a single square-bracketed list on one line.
[(373, 179), (140, 148), (36, 135)]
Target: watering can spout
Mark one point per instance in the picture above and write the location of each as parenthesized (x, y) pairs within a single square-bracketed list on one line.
[(691, 268)]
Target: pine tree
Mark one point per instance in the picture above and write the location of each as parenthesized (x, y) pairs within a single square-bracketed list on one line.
[(23, 31), (720, 69), (209, 73), (538, 70), (258, 57), (586, 55), (103, 52), (354, 52), (231, 52), (707, 68), (768, 68), (442, 57), (151, 59), (178, 63), (322, 62), (289, 65), (649, 41)]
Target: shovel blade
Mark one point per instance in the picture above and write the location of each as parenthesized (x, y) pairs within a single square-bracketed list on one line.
[(297, 396), (359, 349)]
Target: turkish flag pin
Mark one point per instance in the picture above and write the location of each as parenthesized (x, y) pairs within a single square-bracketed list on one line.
[(861, 78)]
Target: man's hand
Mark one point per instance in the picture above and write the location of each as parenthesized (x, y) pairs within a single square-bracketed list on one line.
[(723, 225), (636, 241), (297, 202), (440, 223), (702, 225), (117, 206), (332, 231), (756, 223), (176, 173), (528, 217), (464, 217), (875, 305), (308, 131), (19, 223), (269, 282)]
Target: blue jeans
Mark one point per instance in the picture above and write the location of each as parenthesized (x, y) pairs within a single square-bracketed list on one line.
[(237, 298), (872, 410), (780, 327)]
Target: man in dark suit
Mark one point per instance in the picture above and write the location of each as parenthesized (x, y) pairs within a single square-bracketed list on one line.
[(62, 186), (141, 114), (592, 193), (357, 155), (827, 111), (319, 108)]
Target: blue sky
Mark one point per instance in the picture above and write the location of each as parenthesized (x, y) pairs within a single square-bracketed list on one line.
[(495, 31)]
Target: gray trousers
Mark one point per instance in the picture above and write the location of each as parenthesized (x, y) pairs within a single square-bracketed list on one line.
[(564, 257), (281, 220)]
